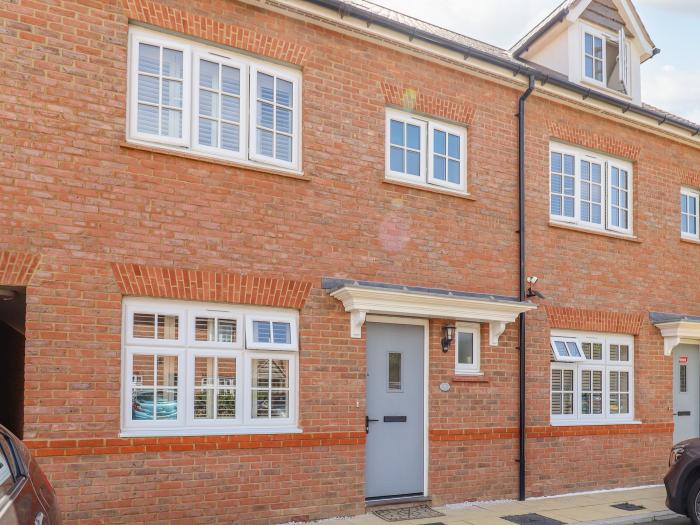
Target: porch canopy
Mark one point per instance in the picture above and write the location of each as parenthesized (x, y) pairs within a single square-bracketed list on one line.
[(365, 297), (676, 329)]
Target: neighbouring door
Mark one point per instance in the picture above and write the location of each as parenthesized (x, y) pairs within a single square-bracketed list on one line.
[(395, 456), (686, 393)]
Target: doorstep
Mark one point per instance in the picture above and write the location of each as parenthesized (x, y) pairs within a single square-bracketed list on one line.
[(593, 508)]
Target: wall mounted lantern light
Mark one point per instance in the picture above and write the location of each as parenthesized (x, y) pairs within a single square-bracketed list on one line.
[(448, 335)]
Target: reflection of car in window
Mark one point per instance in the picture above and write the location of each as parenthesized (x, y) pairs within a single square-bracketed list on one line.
[(142, 406)]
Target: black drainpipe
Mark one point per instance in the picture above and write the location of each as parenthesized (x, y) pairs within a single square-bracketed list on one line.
[(521, 319)]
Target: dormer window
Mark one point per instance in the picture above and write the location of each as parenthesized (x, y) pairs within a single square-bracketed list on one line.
[(606, 59)]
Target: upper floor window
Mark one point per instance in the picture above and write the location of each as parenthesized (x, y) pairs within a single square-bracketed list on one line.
[(195, 368), (590, 190), (606, 59), (596, 386), (425, 151), (690, 225), (213, 101)]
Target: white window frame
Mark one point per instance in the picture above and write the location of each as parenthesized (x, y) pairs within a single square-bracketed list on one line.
[(475, 367), (186, 350), (427, 127), (221, 60), (607, 163), (448, 129), (567, 341), (193, 52), (575, 401), (625, 76), (691, 194), (264, 317), (294, 79), (144, 37), (587, 30), (604, 364)]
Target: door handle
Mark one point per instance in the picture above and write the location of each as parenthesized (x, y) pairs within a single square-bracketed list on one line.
[(682, 413), (367, 422)]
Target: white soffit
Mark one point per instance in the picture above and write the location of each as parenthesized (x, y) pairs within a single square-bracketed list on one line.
[(675, 332), (362, 300)]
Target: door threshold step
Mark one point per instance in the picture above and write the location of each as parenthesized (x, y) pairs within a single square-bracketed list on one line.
[(398, 502)]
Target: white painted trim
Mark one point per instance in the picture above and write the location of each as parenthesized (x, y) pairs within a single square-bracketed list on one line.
[(692, 194), (475, 330), (461, 133), (361, 300), (426, 380), (676, 332)]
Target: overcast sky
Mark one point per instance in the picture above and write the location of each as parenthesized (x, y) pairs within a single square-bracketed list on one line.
[(670, 81)]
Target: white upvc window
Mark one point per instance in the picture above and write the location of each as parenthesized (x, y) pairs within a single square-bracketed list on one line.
[(213, 101), (566, 349), (467, 349), (425, 151), (589, 189), (597, 389), (192, 368), (690, 224), (606, 59)]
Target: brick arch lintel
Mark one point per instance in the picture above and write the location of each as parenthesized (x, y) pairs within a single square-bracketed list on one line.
[(595, 320)]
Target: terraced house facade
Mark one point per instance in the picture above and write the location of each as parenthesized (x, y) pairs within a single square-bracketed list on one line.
[(269, 260)]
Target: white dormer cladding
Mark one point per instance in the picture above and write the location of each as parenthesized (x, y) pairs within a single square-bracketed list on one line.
[(599, 44)]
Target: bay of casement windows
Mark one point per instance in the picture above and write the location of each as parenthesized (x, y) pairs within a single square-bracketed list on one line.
[(606, 59), (212, 101), (196, 368), (590, 190), (690, 217), (592, 378), (425, 152)]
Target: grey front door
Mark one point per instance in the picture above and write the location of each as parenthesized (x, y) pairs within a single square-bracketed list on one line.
[(686, 392), (394, 458)]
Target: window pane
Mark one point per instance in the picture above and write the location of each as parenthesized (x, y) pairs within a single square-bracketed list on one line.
[(283, 120), (394, 380), (171, 123), (281, 333), (283, 148), (261, 403), (265, 142), (453, 146), (573, 349), (172, 63), (149, 58), (568, 164), (204, 371), (226, 404), (227, 330), (147, 119), (204, 403), (172, 93), (142, 404), (231, 80), (465, 348), (208, 133), (208, 74), (284, 93), (266, 85), (204, 329), (439, 168), (279, 373), (589, 44), (413, 163), (261, 331), (412, 136), (144, 326), (166, 368), (143, 372), (568, 380), (556, 183), (168, 326), (561, 348), (208, 103), (279, 404), (440, 142), (569, 206), (266, 115), (556, 162), (396, 132), (166, 404), (261, 373), (453, 174), (148, 89), (226, 372), (396, 159), (556, 205), (230, 137)]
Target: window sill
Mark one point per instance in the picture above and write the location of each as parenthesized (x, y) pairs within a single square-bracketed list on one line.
[(202, 157), (470, 378), (690, 240), (210, 431), (605, 89), (583, 229), (432, 189), (594, 423)]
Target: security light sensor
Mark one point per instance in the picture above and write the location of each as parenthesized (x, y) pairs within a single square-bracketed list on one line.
[(532, 279)]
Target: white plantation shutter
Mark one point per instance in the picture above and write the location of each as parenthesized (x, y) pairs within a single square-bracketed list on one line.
[(623, 62)]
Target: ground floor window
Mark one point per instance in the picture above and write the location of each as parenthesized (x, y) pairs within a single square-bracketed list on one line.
[(197, 368), (592, 378)]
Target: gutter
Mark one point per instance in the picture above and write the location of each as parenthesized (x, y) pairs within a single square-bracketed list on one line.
[(521, 284), (344, 8)]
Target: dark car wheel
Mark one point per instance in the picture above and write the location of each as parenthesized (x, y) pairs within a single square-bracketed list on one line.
[(694, 503)]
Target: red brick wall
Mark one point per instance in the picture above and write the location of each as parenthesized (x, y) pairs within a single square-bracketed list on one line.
[(74, 194)]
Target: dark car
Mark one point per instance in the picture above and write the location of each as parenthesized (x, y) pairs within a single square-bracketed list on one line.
[(26, 496)]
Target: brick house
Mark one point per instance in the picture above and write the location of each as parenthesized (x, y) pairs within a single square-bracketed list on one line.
[(262, 258)]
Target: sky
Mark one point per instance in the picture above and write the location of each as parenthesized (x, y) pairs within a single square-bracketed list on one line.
[(670, 80)]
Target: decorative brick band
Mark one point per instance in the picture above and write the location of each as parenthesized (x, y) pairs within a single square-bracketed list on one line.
[(17, 268), (413, 100), (594, 320), (91, 447), (483, 434), (590, 140), (202, 285), (161, 15)]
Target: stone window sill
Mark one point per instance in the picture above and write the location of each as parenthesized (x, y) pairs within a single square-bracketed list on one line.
[(602, 233)]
